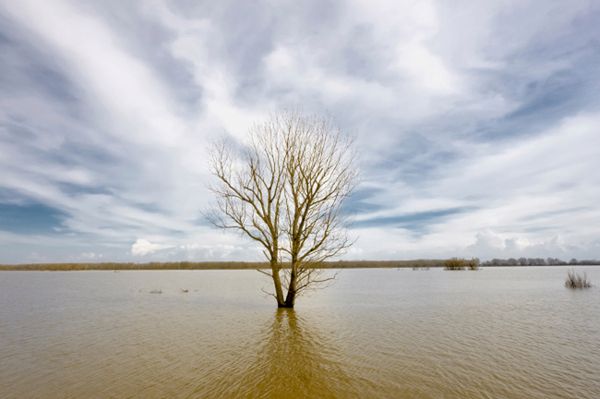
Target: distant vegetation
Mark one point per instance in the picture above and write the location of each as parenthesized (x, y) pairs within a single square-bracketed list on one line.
[(417, 264), (414, 263), (575, 280), (461, 264), (455, 264), (538, 262), (137, 266)]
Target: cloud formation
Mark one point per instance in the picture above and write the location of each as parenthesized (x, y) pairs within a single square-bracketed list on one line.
[(143, 247), (477, 122)]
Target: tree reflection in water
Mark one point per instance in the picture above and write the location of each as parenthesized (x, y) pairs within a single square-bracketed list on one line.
[(292, 360)]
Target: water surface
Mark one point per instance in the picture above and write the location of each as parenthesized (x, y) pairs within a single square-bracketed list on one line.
[(494, 333)]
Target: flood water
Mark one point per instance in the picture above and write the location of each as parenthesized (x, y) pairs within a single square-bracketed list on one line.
[(375, 333)]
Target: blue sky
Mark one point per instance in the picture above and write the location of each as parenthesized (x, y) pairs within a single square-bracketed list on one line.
[(478, 123)]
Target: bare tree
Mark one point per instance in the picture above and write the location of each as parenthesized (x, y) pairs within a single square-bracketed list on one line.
[(284, 189)]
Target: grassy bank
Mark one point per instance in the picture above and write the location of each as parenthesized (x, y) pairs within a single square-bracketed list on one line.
[(359, 264), (418, 263)]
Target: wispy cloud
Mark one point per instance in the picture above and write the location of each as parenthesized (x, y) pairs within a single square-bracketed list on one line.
[(477, 123)]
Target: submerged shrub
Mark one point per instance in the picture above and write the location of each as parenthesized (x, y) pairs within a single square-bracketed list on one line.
[(575, 280), (461, 264), (455, 264), (473, 264)]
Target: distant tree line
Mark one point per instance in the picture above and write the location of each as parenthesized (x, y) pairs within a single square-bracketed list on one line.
[(453, 263), (419, 263), (134, 266), (538, 262)]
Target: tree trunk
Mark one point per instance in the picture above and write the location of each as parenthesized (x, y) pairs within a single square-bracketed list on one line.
[(277, 284), (291, 294)]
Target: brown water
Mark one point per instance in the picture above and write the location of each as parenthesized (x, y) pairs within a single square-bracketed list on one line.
[(495, 333)]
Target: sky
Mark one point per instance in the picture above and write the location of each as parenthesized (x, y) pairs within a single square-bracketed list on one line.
[(477, 123)]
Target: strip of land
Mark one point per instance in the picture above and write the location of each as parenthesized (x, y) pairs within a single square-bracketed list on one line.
[(358, 264), (420, 263)]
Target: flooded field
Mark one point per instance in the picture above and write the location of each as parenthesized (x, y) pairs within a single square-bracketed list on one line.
[(493, 333)]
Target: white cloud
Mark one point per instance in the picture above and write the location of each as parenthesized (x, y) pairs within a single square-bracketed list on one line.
[(490, 244), (142, 247)]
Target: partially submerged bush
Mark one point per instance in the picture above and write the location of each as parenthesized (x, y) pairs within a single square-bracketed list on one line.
[(575, 280), (461, 264), (473, 264), (455, 264)]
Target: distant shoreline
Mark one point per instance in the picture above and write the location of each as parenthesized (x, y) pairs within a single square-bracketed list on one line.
[(363, 264), (211, 265)]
